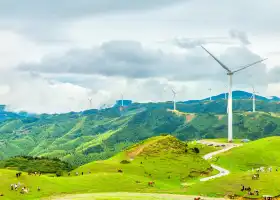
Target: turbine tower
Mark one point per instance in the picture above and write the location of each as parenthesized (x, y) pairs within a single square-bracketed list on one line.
[(230, 73), (254, 99), (174, 99), (122, 100), (210, 98), (90, 102)]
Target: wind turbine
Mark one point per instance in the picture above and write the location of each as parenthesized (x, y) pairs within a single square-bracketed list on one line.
[(210, 89), (90, 102), (122, 100), (254, 99), (230, 73), (174, 99)]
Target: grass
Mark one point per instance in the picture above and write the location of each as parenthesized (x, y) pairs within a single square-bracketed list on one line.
[(231, 184), (164, 160), (157, 158), (263, 152), (240, 161), (98, 182), (224, 140)]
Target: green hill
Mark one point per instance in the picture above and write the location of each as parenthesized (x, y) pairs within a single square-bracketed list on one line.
[(165, 160), (80, 138), (240, 161), (259, 153), (160, 158)]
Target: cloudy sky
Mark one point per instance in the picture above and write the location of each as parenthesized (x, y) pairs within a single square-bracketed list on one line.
[(56, 54)]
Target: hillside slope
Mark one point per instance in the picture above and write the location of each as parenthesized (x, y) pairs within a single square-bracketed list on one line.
[(259, 153), (93, 135), (163, 158)]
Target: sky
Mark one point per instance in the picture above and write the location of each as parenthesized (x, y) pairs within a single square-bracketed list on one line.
[(55, 55)]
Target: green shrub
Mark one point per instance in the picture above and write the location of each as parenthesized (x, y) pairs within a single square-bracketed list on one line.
[(125, 162)]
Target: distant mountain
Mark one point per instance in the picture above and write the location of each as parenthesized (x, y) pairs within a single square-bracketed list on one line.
[(125, 102), (81, 137), (236, 95)]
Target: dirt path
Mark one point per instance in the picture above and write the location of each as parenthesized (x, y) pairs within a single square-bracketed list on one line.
[(128, 196), (222, 171)]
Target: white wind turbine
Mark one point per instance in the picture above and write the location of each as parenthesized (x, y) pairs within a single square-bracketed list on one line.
[(254, 99), (210, 89), (90, 102), (230, 73), (122, 100), (174, 99)]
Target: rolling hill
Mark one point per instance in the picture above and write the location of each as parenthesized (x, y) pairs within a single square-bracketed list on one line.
[(240, 161), (259, 153), (165, 160), (82, 137), (158, 158)]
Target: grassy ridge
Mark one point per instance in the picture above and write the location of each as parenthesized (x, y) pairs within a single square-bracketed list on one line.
[(263, 152), (160, 158), (79, 138), (165, 160), (240, 161)]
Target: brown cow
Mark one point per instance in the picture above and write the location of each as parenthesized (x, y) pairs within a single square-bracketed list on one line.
[(151, 183)]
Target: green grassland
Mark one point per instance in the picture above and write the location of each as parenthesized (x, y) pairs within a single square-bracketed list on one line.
[(223, 140), (240, 161), (161, 158), (263, 152), (165, 160)]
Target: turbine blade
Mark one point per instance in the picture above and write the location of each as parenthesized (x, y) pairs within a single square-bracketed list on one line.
[(222, 64), (249, 65)]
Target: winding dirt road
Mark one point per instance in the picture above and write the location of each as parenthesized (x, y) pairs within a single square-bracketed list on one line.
[(222, 171)]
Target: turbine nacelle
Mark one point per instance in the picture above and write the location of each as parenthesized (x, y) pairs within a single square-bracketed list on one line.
[(230, 73)]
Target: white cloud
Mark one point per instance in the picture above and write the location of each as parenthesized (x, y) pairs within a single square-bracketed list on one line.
[(37, 35)]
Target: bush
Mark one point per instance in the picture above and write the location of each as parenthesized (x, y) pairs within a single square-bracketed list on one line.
[(125, 162), (59, 173), (195, 150)]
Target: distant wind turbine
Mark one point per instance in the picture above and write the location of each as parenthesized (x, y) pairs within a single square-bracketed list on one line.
[(90, 102), (254, 99), (210, 89), (174, 99), (122, 100), (230, 73)]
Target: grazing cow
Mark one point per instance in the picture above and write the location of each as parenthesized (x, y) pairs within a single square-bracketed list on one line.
[(255, 177), (248, 189), (120, 171), (38, 189), (151, 183), (197, 198), (250, 193), (256, 192), (18, 174)]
